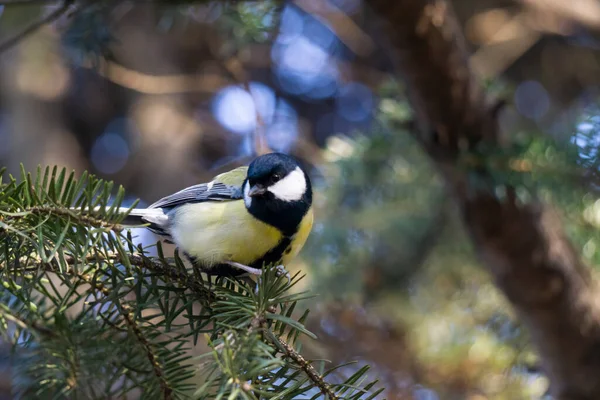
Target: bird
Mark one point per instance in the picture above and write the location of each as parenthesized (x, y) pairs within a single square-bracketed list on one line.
[(243, 220)]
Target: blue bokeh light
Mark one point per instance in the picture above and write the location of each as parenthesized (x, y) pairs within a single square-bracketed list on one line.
[(302, 56), (264, 100), (282, 133), (110, 153), (587, 139), (532, 100), (423, 393), (355, 102), (291, 26), (320, 33), (235, 108)]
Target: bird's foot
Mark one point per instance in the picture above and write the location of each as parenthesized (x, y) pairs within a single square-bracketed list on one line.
[(250, 270), (281, 271)]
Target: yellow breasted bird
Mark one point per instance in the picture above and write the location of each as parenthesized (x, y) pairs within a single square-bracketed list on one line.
[(242, 220)]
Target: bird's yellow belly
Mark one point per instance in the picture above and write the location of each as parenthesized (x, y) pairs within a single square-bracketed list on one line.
[(216, 232), (299, 239)]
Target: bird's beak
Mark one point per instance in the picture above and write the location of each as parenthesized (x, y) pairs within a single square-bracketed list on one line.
[(257, 190)]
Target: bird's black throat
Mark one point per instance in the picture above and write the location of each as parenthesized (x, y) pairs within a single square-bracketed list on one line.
[(283, 215)]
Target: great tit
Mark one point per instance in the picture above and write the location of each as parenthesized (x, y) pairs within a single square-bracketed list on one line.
[(244, 219)]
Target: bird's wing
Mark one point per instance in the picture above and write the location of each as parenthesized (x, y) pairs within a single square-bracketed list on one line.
[(235, 177), (226, 186)]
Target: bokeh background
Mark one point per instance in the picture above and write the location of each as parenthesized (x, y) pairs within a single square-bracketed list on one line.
[(160, 96)]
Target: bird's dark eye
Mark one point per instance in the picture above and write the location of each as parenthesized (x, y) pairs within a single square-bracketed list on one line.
[(275, 177)]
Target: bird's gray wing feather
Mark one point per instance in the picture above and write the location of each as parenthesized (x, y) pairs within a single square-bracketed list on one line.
[(213, 191)]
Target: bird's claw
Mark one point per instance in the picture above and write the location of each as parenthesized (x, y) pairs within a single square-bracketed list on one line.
[(281, 271)]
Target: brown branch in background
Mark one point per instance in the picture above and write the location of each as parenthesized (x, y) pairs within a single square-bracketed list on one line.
[(513, 39), (256, 56), (27, 31), (205, 83), (523, 246), (584, 12)]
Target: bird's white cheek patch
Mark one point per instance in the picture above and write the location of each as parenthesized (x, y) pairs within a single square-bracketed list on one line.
[(247, 198), (290, 188)]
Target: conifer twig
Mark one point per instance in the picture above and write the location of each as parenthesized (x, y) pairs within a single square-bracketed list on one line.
[(23, 324), (83, 219), (124, 310), (205, 293), (129, 319), (306, 366), (164, 269), (291, 353)]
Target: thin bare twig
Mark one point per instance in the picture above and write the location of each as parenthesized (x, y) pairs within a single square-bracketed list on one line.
[(53, 16)]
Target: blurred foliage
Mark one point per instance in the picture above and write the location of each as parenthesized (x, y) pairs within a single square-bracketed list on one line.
[(89, 33), (89, 36), (390, 240), (382, 206)]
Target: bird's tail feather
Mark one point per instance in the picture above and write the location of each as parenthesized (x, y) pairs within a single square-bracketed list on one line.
[(141, 216), (135, 216)]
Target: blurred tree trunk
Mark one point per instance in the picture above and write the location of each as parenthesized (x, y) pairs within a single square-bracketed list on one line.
[(522, 245)]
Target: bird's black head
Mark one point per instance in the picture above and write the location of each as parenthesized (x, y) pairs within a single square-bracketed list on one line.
[(278, 191)]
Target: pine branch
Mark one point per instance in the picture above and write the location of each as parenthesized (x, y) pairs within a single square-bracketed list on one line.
[(21, 322), (129, 319), (80, 218), (256, 324), (125, 310), (306, 366), (153, 265)]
